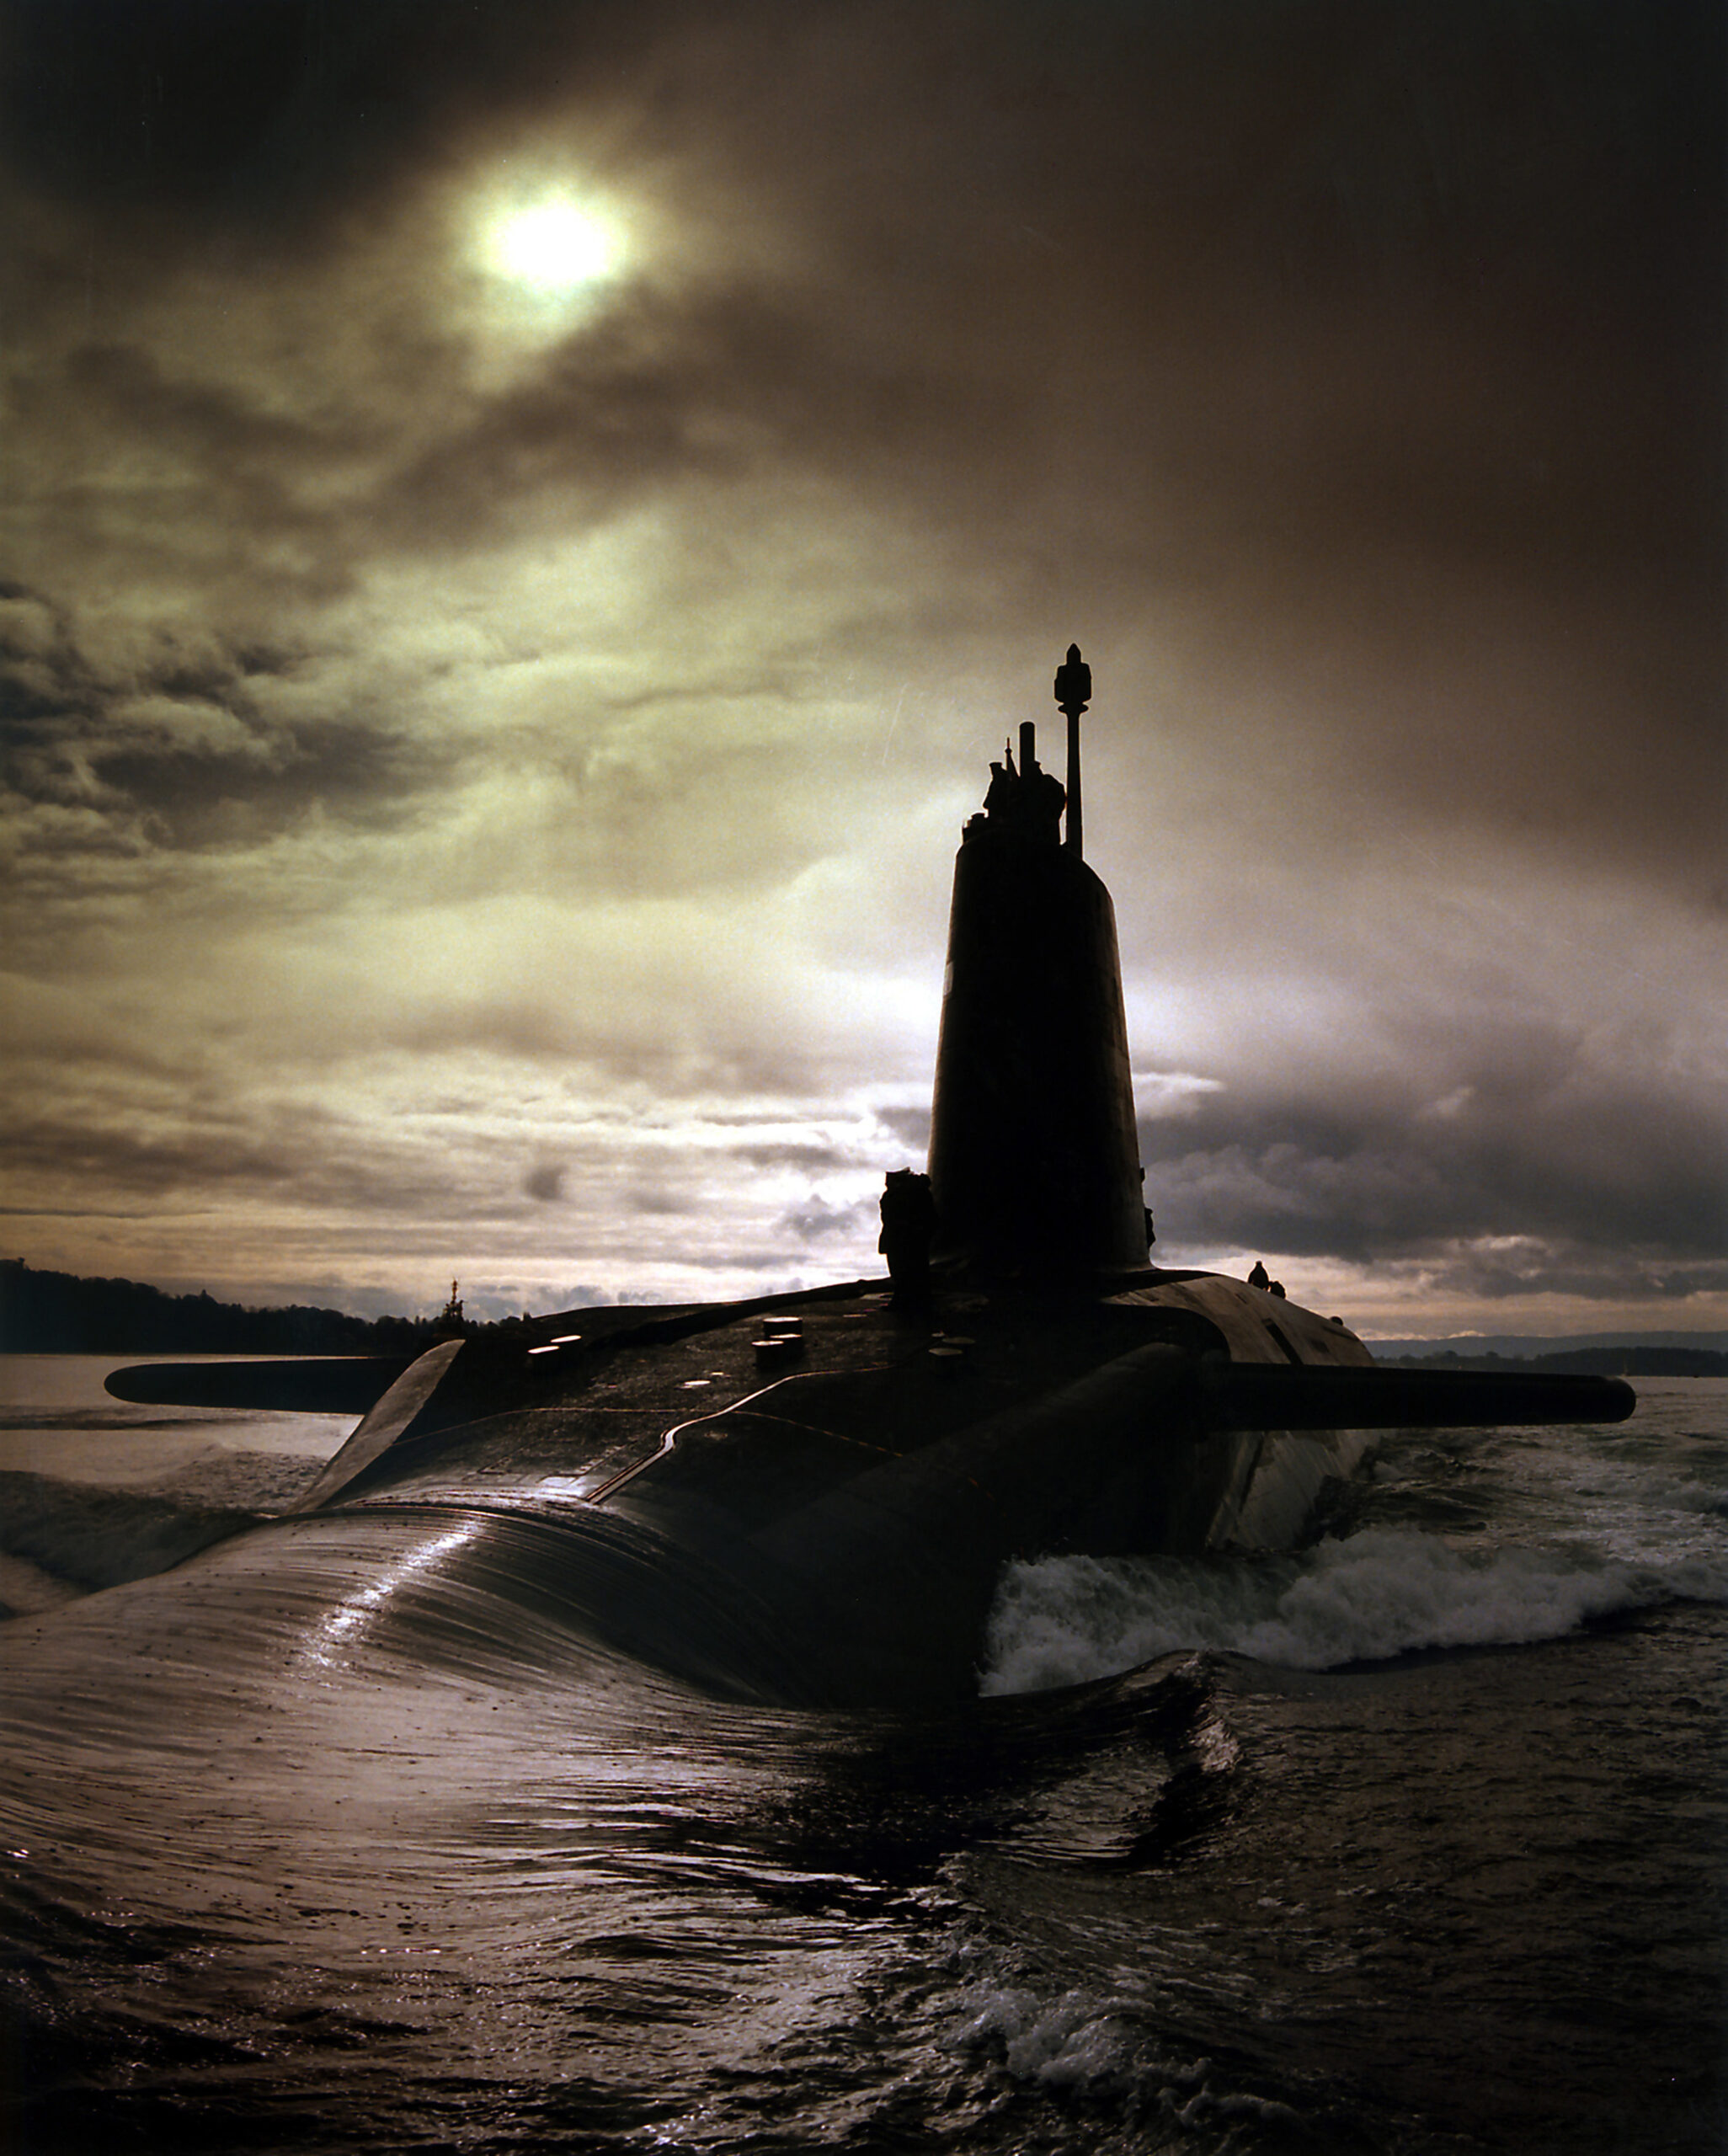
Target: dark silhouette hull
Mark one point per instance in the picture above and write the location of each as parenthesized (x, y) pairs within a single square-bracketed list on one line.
[(811, 1502)]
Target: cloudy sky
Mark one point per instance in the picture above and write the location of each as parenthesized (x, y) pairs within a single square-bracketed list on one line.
[(521, 526)]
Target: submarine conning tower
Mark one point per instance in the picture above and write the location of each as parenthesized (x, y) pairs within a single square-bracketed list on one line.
[(1034, 1162)]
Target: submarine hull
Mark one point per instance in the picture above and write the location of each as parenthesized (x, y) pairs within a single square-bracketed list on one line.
[(811, 1506)]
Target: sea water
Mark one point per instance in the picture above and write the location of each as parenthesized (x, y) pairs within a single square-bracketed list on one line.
[(1413, 1841), (93, 1490)]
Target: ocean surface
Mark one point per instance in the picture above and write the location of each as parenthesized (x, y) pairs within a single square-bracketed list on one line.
[(1413, 1842)]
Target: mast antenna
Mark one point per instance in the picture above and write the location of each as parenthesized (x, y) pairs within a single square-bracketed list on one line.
[(1074, 690)]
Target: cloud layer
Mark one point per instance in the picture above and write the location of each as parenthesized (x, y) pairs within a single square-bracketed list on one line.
[(480, 767)]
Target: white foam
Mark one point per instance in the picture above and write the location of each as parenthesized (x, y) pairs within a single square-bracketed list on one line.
[(1384, 1592), (1102, 2045), (1075, 2041)]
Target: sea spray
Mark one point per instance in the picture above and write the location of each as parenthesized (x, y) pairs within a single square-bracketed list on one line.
[(1384, 1592)]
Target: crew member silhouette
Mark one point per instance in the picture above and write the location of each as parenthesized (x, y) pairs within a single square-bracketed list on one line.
[(907, 1226), (1026, 803)]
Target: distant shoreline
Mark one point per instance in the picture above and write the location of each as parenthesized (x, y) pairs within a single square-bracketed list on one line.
[(1631, 1363), (44, 1313), (60, 1314), (1628, 1362)]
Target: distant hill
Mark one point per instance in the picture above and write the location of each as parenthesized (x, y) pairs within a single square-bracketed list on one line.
[(58, 1314), (1624, 1361), (1524, 1346)]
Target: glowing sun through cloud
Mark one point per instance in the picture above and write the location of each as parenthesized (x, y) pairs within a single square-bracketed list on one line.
[(554, 247), (532, 521)]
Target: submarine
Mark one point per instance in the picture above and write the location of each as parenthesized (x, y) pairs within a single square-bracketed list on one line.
[(807, 1499)]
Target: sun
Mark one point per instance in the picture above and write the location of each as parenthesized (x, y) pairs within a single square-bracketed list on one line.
[(554, 247)]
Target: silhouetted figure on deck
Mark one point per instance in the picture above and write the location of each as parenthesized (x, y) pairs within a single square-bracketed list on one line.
[(1025, 804), (908, 1227), (1042, 795), (1259, 1278)]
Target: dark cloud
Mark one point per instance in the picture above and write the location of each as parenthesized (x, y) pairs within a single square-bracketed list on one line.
[(709, 391), (1347, 378), (911, 1126), (656, 1201), (187, 1141), (227, 432), (1590, 1273), (585, 1293), (223, 494), (1613, 1179), (816, 1219), (1343, 322), (198, 799), (174, 749), (130, 1163), (272, 115)]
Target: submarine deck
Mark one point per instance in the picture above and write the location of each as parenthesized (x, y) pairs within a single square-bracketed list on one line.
[(846, 1374)]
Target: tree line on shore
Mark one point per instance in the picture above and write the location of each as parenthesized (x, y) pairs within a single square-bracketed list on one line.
[(1652, 1362), (60, 1314)]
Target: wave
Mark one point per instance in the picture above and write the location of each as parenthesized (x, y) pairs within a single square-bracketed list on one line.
[(61, 1540), (1077, 2040), (1382, 1593)]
